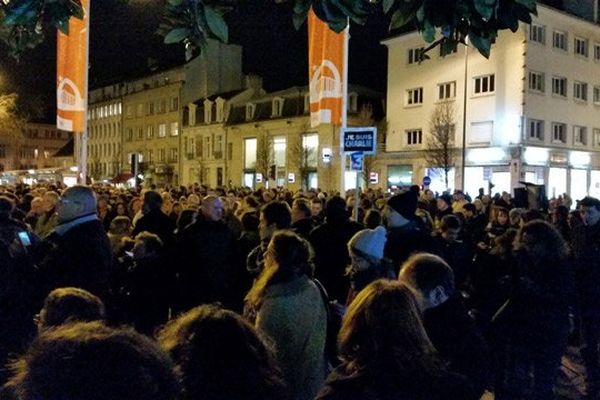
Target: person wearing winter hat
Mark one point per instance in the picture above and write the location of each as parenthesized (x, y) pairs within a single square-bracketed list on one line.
[(406, 234), (367, 260)]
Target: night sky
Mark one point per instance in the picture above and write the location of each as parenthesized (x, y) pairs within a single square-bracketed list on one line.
[(124, 44)]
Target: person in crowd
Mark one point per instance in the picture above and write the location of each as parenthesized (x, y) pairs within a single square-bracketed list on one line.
[(499, 224), (233, 222), (208, 254), (458, 202), (175, 211), (474, 227), (105, 212), (505, 201), (491, 266), (586, 253), (560, 220), (316, 210), (386, 353), (539, 301), (515, 217), (120, 227), (446, 320), (83, 361), (454, 251), (287, 306), (221, 356), (154, 220), (167, 203), (67, 305), (405, 234), (35, 211), (121, 210), (49, 219), (367, 261), (274, 216), (444, 207), (372, 219), (302, 222), (78, 253), (330, 242), (135, 209)]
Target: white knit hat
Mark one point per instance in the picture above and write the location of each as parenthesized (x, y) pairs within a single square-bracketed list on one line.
[(370, 242)]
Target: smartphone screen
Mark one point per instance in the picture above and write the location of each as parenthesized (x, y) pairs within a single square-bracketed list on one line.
[(24, 238)]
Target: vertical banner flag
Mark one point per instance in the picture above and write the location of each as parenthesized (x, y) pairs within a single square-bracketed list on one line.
[(326, 61), (71, 74)]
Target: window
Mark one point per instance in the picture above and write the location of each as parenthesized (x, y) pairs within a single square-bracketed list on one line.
[(279, 150), (310, 145), (149, 108), (218, 147), (129, 134), (559, 86), (174, 104), (447, 90), (596, 52), (140, 132), (173, 155), (352, 102), (536, 81), (149, 131), (596, 137), (535, 129), (139, 110), (3, 150), (537, 33), (414, 96), (277, 108), (207, 111), (250, 146), (485, 84), (162, 106), (581, 47), (414, 137), (129, 111), (250, 111), (161, 155), (162, 130), (174, 128), (580, 135), (559, 40), (559, 132), (415, 55), (597, 94), (580, 91)]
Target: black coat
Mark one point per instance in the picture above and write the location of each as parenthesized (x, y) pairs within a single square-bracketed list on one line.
[(330, 242), (345, 383), (406, 240), (158, 223), (82, 257), (586, 252), (458, 341), (303, 227), (208, 256), (458, 257)]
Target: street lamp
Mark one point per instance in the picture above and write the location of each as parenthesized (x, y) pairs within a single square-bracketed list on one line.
[(464, 128)]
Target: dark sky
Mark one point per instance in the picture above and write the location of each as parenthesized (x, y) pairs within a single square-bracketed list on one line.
[(123, 40)]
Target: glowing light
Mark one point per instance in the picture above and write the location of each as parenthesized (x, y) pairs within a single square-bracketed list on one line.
[(536, 156), (486, 156), (579, 158)]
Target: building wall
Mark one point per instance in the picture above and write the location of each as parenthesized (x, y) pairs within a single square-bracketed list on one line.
[(105, 134)]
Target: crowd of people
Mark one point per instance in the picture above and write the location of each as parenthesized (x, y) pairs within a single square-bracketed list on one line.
[(200, 293)]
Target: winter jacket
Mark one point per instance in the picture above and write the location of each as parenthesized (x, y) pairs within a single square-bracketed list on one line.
[(406, 240)]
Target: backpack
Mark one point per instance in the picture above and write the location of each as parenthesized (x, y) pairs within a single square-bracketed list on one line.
[(335, 312)]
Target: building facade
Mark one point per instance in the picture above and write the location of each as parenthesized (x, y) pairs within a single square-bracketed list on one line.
[(529, 113)]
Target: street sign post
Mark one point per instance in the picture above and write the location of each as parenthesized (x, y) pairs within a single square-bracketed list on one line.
[(356, 161)]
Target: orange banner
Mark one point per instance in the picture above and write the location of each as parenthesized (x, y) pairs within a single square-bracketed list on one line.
[(71, 74), (326, 59)]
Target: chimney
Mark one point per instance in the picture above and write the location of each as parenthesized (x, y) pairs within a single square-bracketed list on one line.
[(253, 82)]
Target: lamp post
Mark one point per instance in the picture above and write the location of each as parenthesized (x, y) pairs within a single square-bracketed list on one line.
[(464, 127)]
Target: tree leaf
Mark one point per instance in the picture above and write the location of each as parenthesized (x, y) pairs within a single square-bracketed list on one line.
[(217, 24), (485, 8), (400, 19), (428, 32), (484, 45), (176, 35), (388, 4), (175, 3), (530, 4)]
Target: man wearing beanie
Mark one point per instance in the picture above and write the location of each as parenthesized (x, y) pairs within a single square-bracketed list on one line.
[(405, 234), (368, 263)]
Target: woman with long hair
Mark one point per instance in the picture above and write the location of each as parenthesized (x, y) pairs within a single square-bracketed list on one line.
[(387, 354), (220, 356), (534, 322), (287, 306)]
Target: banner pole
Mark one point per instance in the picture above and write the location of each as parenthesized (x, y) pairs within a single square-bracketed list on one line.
[(84, 135), (344, 111)]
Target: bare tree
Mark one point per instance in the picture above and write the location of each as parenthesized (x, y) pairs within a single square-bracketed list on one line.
[(264, 154), (304, 158), (11, 125), (440, 143)]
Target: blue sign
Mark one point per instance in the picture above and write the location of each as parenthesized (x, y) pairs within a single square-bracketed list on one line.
[(356, 161), (359, 140), (426, 181)]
